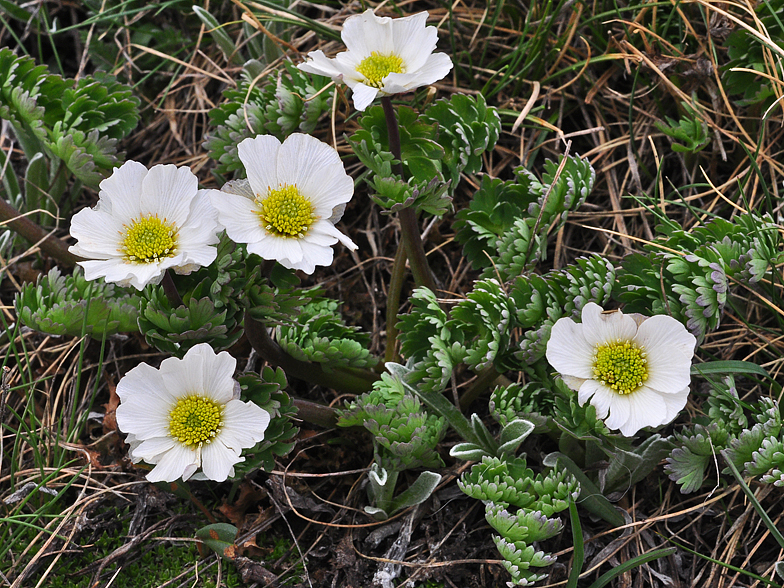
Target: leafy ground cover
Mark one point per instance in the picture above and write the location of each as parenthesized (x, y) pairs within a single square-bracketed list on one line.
[(674, 208)]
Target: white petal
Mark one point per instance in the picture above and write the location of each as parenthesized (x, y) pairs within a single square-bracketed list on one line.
[(141, 274), (666, 332), (141, 380), (217, 460), (131, 440), (665, 376), (239, 215), (259, 155), (218, 376), (94, 269), (125, 274), (598, 395), (303, 265), (168, 191), (200, 372), (318, 254), (568, 351), (437, 66), (98, 234), (642, 408), (197, 256), (150, 450), (313, 255), (201, 226), (363, 96), (674, 404), (413, 41), (572, 382), (244, 424), (274, 247), (145, 416), (239, 187), (669, 348), (620, 410), (176, 463), (327, 228), (120, 193), (600, 328), (321, 65), (348, 62), (366, 32), (185, 269), (334, 189), (319, 235), (317, 171), (337, 213), (191, 468), (198, 234)]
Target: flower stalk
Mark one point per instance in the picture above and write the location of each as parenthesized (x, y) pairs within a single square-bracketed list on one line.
[(393, 303), (170, 289), (412, 239)]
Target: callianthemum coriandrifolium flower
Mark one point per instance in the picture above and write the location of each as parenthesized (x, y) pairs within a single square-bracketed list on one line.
[(385, 56), (287, 208), (634, 370), (145, 222), (187, 416)]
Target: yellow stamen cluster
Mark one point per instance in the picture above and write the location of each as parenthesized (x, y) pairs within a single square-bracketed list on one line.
[(286, 212), (148, 239), (376, 67), (195, 420), (621, 366)]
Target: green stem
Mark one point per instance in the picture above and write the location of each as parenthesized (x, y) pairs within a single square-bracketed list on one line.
[(412, 240), (438, 403), (352, 381), (393, 302), (196, 502), (30, 231), (384, 501)]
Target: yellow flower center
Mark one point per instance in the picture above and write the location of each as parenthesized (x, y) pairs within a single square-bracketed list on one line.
[(148, 239), (621, 366), (376, 67), (195, 420), (286, 212)]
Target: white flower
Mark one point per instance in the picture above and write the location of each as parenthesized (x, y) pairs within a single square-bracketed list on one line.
[(634, 368), (187, 415), (287, 209), (144, 223), (385, 56)]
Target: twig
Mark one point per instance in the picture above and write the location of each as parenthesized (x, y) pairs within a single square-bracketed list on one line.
[(31, 232)]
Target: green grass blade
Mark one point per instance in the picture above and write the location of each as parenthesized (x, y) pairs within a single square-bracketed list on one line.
[(605, 579), (724, 564), (579, 546), (755, 503), (220, 36), (728, 367), (275, 12), (14, 11), (591, 497)]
